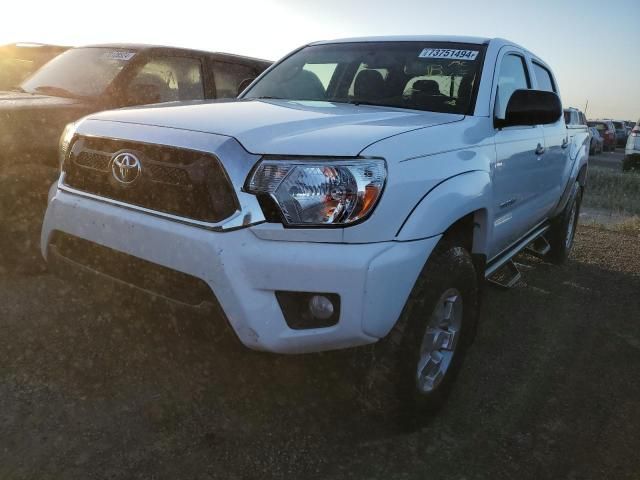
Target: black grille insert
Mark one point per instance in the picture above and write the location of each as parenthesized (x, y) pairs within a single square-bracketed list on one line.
[(146, 275), (181, 182)]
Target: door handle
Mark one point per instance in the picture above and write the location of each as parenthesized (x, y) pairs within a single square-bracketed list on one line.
[(540, 150), (565, 143)]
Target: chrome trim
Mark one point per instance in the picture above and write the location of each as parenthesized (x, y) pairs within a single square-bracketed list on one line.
[(238, 168), (235, 221)]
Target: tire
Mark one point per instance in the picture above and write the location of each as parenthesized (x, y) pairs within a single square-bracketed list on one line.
[(563, 228), (447, 289), (23, 201)]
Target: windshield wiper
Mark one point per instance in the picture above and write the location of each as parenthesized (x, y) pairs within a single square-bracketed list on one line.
[(266, 97), (368, 102), (55, 91)]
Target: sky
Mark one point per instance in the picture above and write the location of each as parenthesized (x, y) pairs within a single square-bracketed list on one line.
[(594, 51)]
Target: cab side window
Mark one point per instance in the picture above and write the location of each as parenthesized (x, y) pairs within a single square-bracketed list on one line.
[(544, 78), (168, 79), (229, 76), (583, 120), (513, 76)]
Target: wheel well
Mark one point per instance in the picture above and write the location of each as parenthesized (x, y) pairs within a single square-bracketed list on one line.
[(582, 176), (461, 232), (470, 232)]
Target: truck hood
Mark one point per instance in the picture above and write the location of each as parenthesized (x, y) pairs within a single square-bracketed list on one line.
[(284, 127)]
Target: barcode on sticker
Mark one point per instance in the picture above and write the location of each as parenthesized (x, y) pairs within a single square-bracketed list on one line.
[(448, 53), (119, 55)]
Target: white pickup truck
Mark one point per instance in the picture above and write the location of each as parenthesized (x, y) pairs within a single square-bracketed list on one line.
[(359, 192)]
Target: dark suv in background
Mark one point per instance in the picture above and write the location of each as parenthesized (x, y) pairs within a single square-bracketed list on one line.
[(19, 60), (103, 77), (87, 80), (607, 132)]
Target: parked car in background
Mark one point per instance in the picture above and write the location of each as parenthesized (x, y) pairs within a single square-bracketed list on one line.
[(90, 79), (607, 132), (621, 133), (632, 150), (360, 192), (19, 60), (629, 126), (576, 124), (597, 142), (574, 117)]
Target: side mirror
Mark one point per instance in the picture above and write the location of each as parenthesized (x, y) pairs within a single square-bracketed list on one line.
[(143, 94), (531, 107), (244, 84)]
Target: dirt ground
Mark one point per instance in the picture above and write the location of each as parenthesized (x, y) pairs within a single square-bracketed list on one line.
[(93, 385)]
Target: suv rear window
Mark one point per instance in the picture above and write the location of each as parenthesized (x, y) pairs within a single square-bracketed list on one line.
[(600, 126)]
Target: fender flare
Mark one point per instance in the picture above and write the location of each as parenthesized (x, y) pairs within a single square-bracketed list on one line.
[(578, 173), (446, 203)]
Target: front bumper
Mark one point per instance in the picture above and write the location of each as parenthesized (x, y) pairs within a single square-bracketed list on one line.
[(244, 271)]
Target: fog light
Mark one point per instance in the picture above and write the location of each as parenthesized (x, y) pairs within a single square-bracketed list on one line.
[(321, 307), (304, 310)]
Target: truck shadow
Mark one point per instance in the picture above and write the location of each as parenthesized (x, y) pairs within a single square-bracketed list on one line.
[(133, 388)]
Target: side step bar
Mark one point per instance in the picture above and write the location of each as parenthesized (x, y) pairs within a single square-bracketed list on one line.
[(509, 277), (506, 276), (539, 248)]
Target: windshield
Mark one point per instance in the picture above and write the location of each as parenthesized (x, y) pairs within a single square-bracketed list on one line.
[(437, 77), (80, 72)]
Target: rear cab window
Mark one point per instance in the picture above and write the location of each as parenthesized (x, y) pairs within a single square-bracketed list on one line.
[(544, 78)]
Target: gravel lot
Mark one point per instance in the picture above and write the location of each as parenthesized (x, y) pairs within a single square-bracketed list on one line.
[(96, 385), (611, 160)]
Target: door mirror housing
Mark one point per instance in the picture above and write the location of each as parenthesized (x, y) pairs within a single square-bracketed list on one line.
[(531, 107)]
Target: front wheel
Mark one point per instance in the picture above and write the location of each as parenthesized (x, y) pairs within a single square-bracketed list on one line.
[(563, 228), (411, 371)]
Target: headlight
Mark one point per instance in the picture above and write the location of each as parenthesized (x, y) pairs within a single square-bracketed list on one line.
[(321, 192), (65, 141)]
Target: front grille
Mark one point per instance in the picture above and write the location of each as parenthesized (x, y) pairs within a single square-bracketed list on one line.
[(145, 275), (172, 180)]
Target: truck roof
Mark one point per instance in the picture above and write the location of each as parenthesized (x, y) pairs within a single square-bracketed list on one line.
[(146, 47), (496, 43), (409, 38), (421, 38)]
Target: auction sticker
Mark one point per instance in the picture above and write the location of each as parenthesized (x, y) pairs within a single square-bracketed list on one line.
[(120, 55), (448, 53)]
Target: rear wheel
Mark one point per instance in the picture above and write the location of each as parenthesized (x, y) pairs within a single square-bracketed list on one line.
[(563, 227), (411, 371)]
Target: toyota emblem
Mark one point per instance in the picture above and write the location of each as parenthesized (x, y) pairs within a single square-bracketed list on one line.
[(126, 168)]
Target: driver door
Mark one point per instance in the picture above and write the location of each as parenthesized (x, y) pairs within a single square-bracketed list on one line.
[(518, 167)]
